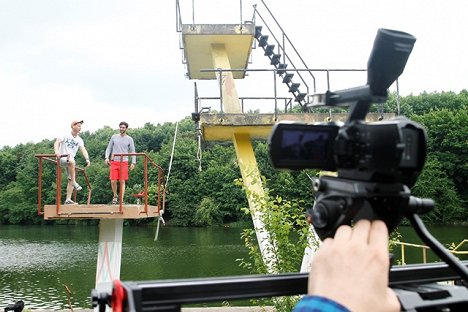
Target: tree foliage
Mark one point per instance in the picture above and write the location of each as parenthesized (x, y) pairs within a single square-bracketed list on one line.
[(288, 236), (209, 196)]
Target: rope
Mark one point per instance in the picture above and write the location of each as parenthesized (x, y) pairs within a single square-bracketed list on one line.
[(156, 235), (172, 156), (160, 218), (199, 150)]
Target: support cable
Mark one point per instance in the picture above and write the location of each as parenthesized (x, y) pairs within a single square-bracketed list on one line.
[(160, 218), (172, 156), (199, 150)]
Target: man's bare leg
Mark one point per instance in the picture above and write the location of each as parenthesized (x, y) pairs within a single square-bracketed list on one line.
[(122, 183), (114, 187), (114, 191), (71, 169), (69, 190)]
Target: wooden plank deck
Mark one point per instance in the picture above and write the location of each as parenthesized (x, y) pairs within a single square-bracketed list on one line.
[(99, 211)]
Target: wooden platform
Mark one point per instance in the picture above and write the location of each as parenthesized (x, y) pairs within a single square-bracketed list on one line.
[(101, 211)]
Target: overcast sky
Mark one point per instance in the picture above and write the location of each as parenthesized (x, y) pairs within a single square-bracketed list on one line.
[(111, 60)]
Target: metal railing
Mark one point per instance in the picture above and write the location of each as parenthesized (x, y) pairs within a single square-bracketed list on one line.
[(424, 250), (147, 160), (58, 194), (288, 101), (456, 250), (58, 180)]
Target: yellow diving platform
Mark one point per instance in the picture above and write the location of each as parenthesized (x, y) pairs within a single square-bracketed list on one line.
[(209, 46), (223, 127)]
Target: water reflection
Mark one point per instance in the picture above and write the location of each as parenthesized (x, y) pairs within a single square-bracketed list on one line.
[(38, 264)]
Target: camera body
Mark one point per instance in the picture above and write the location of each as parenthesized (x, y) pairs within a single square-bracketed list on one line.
[(384, 151), (376, 163)]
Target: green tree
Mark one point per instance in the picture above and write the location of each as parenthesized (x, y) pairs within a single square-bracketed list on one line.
[(8, 164), (289, 235), (444, 114), (447, 141), (208, 213), (434, 183)]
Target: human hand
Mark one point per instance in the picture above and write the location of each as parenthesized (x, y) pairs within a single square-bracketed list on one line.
[(132, 166), (88, 163), (352, 268), (107, 162)]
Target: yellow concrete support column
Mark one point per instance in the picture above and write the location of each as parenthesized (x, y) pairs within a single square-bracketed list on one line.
[(252, 181), (228, 87)]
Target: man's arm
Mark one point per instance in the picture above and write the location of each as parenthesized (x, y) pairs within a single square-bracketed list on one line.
[(85, 155), (132, 150), (109, 149), (57, 147)]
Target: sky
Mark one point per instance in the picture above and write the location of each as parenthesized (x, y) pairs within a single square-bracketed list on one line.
[(111, 60)]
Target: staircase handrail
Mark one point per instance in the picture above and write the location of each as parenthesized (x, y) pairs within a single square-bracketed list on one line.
[(282, 47), (178, 17)]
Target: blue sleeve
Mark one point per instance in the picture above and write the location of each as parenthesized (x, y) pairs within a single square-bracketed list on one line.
[(318, 304)]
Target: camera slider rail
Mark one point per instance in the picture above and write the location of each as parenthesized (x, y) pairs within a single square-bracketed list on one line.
[(415, 286)]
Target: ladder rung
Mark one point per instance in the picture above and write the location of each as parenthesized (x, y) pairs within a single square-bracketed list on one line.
[(269, 49), (258, 31), (300, 97), (294, 87), (262, 41), (288, 77), (281, 68), (275, 59)]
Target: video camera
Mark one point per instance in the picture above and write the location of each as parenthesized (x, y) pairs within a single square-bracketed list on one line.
[(377, 163)]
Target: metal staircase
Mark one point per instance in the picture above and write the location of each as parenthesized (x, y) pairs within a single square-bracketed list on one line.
[(283, 56)]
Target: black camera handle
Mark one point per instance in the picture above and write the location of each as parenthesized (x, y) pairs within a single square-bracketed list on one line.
[(437, 247)]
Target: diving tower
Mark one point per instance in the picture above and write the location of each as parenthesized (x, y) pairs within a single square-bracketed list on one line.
[(222, 52), (226, 47)]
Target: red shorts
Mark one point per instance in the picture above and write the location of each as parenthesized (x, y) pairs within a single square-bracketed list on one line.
[(116, 169)]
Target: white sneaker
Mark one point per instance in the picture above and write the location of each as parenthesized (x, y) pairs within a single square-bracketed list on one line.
[(70, 202), (77, 187)]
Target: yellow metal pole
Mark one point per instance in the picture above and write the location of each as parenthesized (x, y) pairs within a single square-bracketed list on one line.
[(245, 154), (253, 182), (230, 99), (403, 254)]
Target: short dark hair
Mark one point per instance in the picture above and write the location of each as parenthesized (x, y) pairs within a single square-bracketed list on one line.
[(123, 123)]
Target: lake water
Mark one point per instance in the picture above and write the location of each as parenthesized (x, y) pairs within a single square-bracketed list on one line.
[(39, 263)]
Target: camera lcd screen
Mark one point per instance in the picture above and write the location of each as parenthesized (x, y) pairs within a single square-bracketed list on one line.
[(300, 146)]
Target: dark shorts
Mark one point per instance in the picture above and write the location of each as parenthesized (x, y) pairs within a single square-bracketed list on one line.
[(117, 168)]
